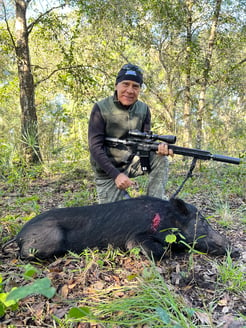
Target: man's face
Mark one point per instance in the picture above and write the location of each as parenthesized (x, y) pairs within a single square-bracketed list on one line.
[(127, 92)]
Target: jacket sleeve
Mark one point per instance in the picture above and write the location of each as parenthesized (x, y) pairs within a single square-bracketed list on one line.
[(96, 137)]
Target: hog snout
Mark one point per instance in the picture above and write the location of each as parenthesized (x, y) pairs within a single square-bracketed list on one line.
[(218, 244), (234, 252)]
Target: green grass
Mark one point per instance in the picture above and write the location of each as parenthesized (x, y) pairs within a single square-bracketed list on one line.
[(154, 304), (210, 177), (228, 216), (231, 275)]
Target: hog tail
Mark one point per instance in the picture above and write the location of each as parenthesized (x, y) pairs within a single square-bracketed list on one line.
[(11, 241)]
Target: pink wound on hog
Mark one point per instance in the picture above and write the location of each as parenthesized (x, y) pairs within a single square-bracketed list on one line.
[(155, 222)]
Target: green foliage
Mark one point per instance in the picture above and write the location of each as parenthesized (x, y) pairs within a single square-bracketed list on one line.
[(11, 221), (223, 181), (30, 271), (170, 239), (15, 172), (154, 304), (6, 153), (81, 198), (4, 303), (10, 300), (227, 215), (135, 251), (231, 275), (29, 204), (75, 55), (107, 257), (78, 313), (38, 287)]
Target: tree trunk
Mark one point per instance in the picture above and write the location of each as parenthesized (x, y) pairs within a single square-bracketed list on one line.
[(29, 123), (187, 95), (205, 77)]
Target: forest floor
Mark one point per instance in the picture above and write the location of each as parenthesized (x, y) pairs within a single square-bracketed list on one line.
[(95, 278)]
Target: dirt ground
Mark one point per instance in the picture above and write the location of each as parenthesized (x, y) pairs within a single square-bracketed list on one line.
[(194, 277)]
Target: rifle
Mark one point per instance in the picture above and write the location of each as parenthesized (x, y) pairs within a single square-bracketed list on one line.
[(142, 142)]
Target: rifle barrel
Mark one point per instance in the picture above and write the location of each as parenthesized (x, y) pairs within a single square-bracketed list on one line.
[(221, 158), (203, 154)]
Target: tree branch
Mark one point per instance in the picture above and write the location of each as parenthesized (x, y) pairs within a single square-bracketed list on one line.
[(240, 63), (7, 25), (66, 68), (36, 21)]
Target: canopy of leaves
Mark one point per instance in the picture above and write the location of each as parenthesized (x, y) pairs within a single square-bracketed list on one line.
[(77, 47)]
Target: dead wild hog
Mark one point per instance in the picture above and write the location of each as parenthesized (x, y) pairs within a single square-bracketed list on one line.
[(142, 221)]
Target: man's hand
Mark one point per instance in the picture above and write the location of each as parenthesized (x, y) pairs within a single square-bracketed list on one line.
[(163, 150), (123, 182)]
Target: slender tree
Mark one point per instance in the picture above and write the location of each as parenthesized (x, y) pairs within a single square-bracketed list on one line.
[(20, 40), (29, 122), (188, 58), (206, 71)]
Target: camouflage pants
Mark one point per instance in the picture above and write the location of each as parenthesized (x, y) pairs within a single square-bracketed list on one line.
[(108, 192)]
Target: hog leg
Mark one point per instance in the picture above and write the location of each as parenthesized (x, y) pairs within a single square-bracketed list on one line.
[(151, 245)]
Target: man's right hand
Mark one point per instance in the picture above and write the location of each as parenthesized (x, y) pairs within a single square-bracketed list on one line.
[(123, 182)]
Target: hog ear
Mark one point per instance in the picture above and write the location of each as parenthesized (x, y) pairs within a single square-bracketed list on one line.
[(179, 205)]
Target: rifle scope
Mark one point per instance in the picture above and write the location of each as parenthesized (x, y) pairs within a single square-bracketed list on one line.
[(149, 135)]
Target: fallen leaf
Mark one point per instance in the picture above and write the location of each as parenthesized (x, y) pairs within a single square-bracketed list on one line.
[(64, 291), (203, 317), (222, 302), (99, 285)]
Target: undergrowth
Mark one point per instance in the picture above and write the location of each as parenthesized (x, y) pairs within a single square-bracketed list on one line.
[(152, 302)]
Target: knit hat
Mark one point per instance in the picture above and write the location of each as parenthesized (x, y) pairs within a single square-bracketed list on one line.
[(130, 72)]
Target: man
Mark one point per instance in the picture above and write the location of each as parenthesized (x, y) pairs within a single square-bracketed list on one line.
[(113, 117)]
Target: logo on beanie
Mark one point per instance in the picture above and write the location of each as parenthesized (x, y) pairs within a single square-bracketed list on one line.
[(131, 73)]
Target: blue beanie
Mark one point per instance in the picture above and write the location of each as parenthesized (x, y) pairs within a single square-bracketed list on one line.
[(130, 72)]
